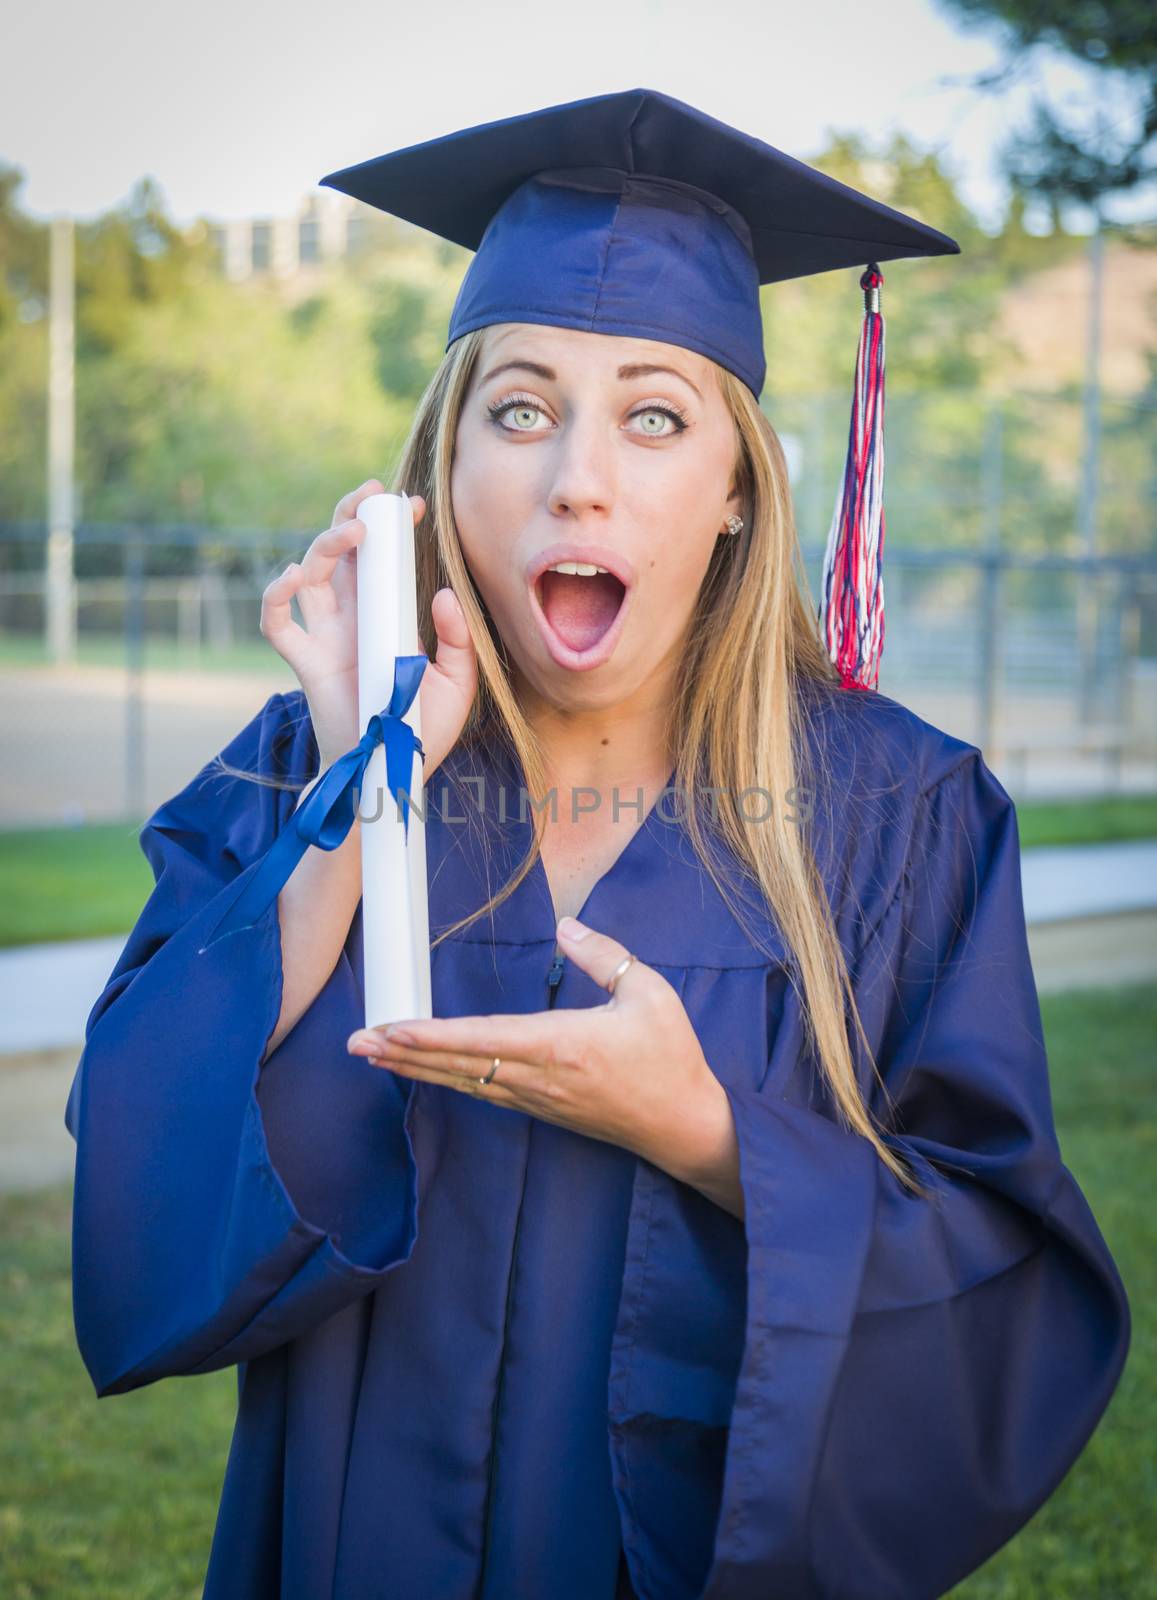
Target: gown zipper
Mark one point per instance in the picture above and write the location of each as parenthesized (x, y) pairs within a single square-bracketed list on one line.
[(553, 979)]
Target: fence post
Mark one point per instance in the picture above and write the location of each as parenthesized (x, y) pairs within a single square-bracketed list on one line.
[(59, 557), (189, 619), (1089, 507), (818, 514), (1126, 642), (990, 596), (134, 776)]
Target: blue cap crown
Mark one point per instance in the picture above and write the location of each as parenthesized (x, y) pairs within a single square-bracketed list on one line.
[(599, 249)]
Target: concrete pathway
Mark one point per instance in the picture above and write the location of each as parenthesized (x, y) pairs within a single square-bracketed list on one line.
[(1091, 880), (36, 1149), (48, 990)]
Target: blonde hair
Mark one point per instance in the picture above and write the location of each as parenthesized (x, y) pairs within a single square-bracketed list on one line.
[(737, 722)]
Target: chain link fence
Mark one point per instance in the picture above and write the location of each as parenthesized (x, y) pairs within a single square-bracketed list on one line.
[(1021, 609)]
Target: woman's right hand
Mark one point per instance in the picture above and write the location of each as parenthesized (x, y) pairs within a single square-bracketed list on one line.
[(324, 654)]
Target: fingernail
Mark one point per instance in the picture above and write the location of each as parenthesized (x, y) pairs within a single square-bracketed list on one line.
[(400, 1036), (571, 928)]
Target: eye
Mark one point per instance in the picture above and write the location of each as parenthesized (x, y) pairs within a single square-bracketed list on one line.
[(520, 405), (661, 410)]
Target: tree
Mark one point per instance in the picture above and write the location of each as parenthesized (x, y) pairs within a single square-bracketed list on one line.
[(23, 256), (1056, 157), (127, 259)]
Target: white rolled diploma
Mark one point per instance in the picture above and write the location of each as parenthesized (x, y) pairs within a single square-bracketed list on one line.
[(395, 913)]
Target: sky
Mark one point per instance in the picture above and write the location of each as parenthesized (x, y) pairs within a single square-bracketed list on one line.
[(237, 109)]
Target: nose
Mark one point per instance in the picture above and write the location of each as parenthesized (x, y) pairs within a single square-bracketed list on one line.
[(582, 470)]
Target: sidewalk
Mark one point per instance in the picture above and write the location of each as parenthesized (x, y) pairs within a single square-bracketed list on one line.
[(1091, 913)]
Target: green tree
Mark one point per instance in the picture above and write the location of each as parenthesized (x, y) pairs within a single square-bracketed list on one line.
[(399, 319), (23, 256), (131, 257), (1056, 156), (941, 310)]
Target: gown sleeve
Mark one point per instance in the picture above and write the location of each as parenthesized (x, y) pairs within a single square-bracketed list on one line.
[(918, 1374), (210, 1226)]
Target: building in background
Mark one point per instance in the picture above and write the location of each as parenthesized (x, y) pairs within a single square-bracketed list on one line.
[(328, 227)]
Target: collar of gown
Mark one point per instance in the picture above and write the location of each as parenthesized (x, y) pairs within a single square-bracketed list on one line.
[(656, 897)]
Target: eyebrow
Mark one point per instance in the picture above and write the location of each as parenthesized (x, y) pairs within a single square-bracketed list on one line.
[(634, 369)]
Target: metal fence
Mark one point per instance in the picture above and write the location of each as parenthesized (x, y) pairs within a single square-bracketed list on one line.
[(1020, 572), (1048, 662)]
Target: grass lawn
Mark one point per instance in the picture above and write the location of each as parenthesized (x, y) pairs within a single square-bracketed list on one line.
[(71, 883), (118, 1497), (162, 654), (1126, 816), (76, 883)]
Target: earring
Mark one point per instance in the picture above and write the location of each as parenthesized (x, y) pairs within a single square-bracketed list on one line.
[(734, 525)]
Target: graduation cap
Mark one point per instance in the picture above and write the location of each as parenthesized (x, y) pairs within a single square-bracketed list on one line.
[(636, 214)]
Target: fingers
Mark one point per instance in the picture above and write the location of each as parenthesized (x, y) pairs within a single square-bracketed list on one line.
[(343, 574), (347, 506), (309, 581), (600, 956), (286, 636), (455, 655), (325, 580), (324, 559), (542, 1037)]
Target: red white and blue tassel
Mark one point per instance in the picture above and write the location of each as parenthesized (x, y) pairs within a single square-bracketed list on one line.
[(852, 609)]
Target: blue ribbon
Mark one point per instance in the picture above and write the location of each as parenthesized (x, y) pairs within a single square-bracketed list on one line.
[(326, 815)]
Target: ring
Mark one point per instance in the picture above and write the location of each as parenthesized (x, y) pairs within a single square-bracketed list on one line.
[(618, 972), (492, 1071)]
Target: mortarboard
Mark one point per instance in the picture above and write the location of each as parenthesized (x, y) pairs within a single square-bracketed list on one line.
[(636, 214)]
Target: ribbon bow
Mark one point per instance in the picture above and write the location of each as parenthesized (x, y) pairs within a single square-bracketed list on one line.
[(327, 813)]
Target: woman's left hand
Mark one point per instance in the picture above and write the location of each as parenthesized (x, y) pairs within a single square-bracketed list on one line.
[(631, 1071)]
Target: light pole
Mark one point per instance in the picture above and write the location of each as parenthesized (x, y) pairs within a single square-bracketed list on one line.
[(1087, 606), (59, 574)]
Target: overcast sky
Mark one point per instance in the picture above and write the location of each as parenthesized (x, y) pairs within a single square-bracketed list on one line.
[(237, 109)]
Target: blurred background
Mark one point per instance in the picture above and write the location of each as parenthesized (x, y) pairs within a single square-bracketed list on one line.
[(201, 351)]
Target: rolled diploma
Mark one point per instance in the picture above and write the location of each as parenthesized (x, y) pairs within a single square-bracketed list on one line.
[(395, 913)]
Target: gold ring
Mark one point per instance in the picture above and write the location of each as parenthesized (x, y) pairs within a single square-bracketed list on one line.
[(618, 972)]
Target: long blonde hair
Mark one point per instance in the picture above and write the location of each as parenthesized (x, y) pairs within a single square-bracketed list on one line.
[(737, 721)]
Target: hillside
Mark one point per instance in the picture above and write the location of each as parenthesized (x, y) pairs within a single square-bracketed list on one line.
[(1046, 318)]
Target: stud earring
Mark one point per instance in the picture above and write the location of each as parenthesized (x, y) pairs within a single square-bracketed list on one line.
[(734, 525)]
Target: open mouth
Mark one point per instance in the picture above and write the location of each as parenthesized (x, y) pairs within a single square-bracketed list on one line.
[(581, 610)]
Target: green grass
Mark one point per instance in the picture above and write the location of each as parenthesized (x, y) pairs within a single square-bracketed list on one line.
[(79, 882), (1093, 1539), (109, 1500), (117, 1498), (1087, 821), (70, 883), (162, 653)]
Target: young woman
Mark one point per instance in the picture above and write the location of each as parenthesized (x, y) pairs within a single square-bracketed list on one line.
[(716, 1244)]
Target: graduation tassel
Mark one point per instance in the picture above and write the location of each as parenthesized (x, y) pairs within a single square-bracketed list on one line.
[(852, 609)]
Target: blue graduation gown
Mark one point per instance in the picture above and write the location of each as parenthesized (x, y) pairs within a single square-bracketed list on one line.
[(479, 1354)]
